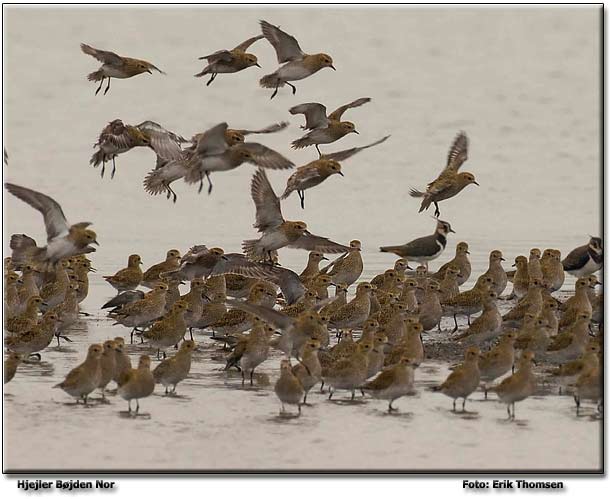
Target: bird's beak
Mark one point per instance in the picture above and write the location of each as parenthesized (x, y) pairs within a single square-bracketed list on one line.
[(257, 64), (45, 304), (149, 71), (476, 183), (502, 259), (95, 242), (333, 67), (223, 257), (92, 269), (451, 230), (514, 265), (341, 173), (324, 258), (410, 268), (357, 132)]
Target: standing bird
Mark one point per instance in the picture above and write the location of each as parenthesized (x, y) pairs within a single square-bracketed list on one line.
[(152, 275), (585, 259), (288, 388), (129, 278), (450, 182), (11, 363), (347, 268), (277, 232), (314, 173), (519, 386), (464, 379), (423, 249), (63, 240), (393, 382), (115, 66), (230, 61), (172, 371), (299, 64), (137, 383), (85, 378)]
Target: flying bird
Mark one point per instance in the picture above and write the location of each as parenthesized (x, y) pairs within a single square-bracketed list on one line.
[(299, 65), (115, 66), (230, 61)]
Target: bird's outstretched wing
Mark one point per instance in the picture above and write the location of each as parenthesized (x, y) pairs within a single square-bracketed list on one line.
[(268, 211), (54, 219), (219, 55), (276, 127), (276, 319), (165, 143), (458, 152), (315, 115), (348, 153), (211, 141), (104, 56), (337, 113), (243, 46), (285, 45), (312, 242), (265, 157), (288, 281)]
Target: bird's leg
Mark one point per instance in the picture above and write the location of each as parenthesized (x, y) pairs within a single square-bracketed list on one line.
[(322, 387), (107, 87), (243, 377), (211, 79), (191, 331), (330, 391), (468, 320), (129, 406), (275, 91), (508, 410), (103, 167), (302, 197), (166, 390), (294, 89), (305, 398), (137, 405), (513, 410), (577, 400), (390, 408), (210, 186), (100, 87), (437, 212), (485, 388), (299, 406), (464, 405), (318, 149), (456, 324), (251, 377), (132, 331), (113, 166), (454, 405), (353, 394)]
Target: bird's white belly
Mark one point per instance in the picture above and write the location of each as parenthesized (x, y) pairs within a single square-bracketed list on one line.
[(216, 163), (589, 268), (293, 71), (59, 248), (274, 240), (112, 72)]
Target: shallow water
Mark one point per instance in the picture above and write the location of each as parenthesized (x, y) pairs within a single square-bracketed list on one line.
[(523, 84)]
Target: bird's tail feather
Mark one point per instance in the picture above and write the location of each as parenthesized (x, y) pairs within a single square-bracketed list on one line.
[(203, 72), (271, 81), (414, 193), (389, 249), (300, 143), (153, 183), (96, 75), (98, 158)]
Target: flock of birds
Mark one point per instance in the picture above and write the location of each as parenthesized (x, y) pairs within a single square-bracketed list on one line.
[(371, 343)]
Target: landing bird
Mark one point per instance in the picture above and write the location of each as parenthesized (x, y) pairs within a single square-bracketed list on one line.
[(450, 182), (115, 66), (230, 61), (586, 259), (117, 138), (277, 232), (423, 249), (314, 173), (63, 240), (299, 64)]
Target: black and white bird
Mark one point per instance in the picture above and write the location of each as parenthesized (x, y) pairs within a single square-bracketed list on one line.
[(586, 259), (423, 249)]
